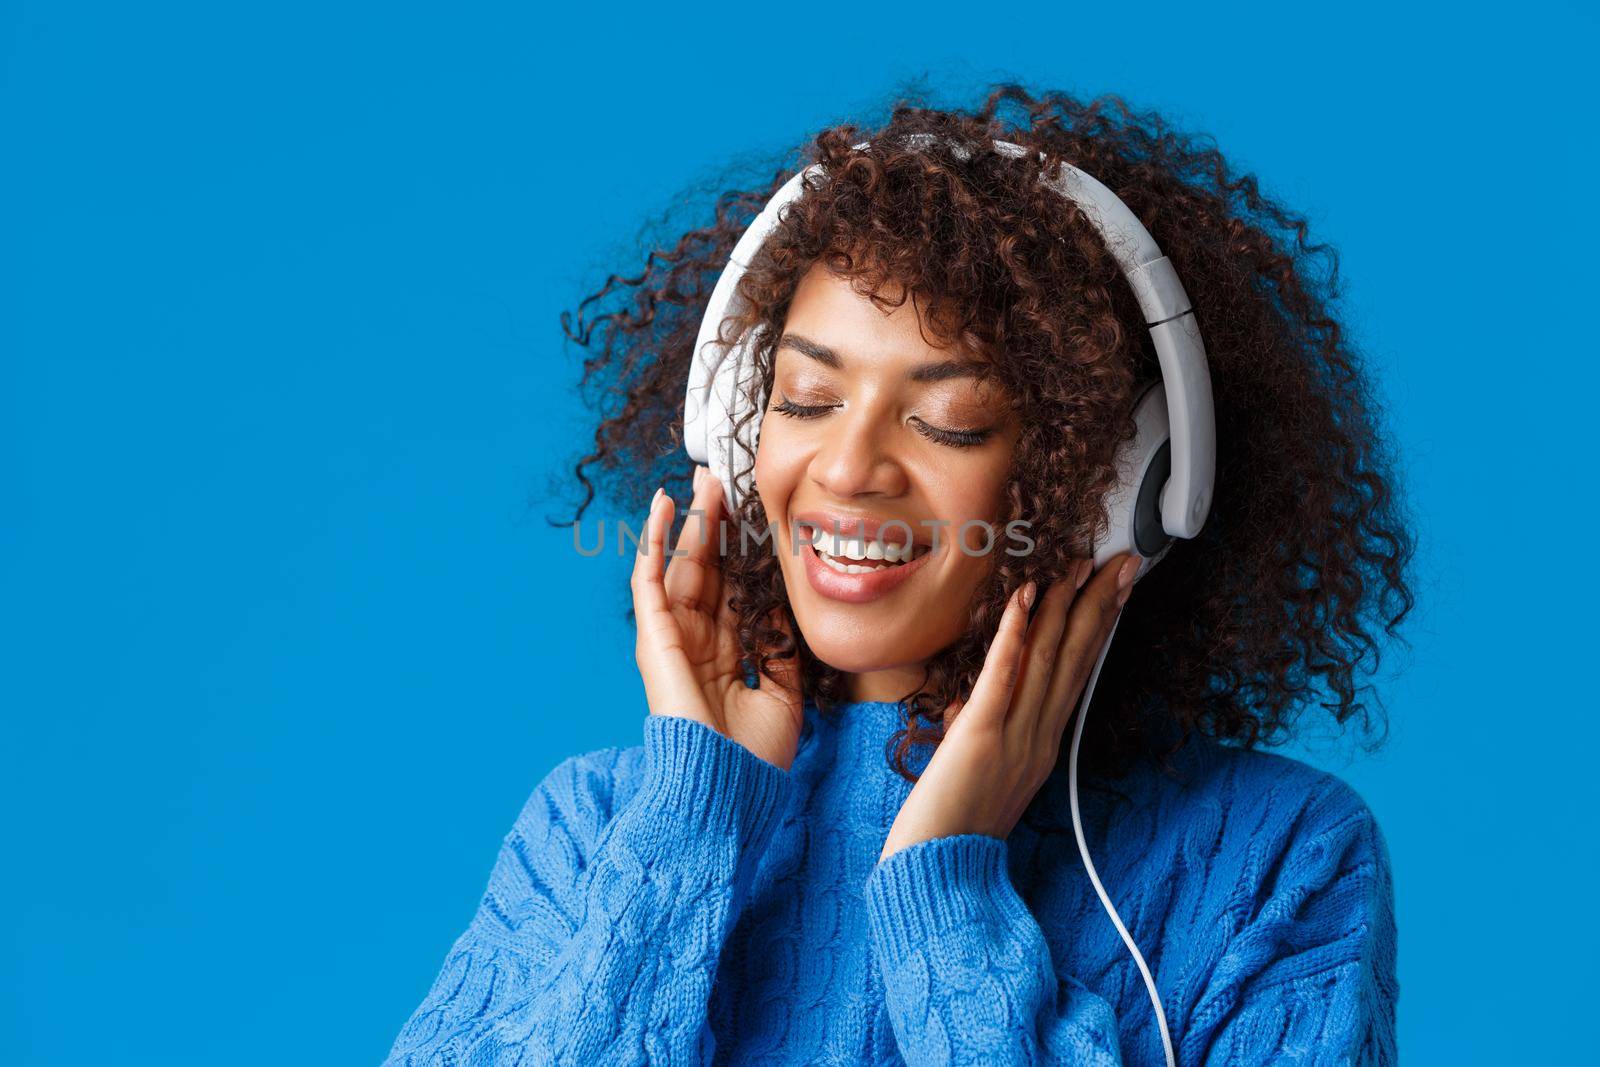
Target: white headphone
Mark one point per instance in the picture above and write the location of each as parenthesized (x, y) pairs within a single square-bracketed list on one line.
[(1164, 474)]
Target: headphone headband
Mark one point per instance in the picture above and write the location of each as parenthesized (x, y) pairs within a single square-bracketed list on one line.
[(717, 372)]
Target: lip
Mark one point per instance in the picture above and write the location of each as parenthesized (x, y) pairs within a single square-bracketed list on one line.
[(856, 588)]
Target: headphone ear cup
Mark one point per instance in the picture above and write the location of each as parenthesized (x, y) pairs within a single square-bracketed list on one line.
[(1133, 506), (713, 411), (1150, 537)]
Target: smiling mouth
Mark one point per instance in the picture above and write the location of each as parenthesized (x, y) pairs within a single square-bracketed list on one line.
[(858, 555)]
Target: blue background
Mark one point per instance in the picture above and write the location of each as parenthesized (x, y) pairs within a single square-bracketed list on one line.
[(283, 647)]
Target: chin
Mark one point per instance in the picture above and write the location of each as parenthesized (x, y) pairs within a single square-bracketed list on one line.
[(852, 660), (856, 649)]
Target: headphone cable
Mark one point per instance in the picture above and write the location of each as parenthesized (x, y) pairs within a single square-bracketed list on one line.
[(1083, 849)]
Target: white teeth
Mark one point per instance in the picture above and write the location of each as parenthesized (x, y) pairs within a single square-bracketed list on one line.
[(846, 568), (843, 547), (833, 547)]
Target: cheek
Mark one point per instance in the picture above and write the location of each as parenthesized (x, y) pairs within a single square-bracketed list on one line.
[(975, 496), (777, 465), (780, 455), (971, 488)]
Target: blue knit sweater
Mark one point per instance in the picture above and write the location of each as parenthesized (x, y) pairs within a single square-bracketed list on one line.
[(685, 902)]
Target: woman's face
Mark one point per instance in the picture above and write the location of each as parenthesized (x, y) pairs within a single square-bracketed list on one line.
[(869, 424)]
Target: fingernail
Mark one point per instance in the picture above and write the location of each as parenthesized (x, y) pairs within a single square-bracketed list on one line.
[(1081, 572), (699, 474), (655, 498), (1028, 592), (1130, 567)]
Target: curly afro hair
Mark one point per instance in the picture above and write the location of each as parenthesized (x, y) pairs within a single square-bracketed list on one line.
[(1305, 554)]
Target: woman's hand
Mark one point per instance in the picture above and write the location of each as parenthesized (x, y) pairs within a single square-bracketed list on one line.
[(1002, 745), (688, 646)]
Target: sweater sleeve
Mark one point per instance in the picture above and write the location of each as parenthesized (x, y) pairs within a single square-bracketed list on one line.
[(1309, 978), (1307, 975), (598, 937), (966, 968)]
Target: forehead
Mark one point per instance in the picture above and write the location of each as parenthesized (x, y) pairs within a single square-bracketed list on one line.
[(828, 309)]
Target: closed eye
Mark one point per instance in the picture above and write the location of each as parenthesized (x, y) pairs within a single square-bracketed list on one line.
[(953, 438), (801, 411), (938, 434)]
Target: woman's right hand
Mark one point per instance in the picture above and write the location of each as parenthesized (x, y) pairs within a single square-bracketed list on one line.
[(688, 645)]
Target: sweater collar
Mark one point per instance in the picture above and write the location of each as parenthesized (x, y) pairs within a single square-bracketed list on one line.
[(858, 733)]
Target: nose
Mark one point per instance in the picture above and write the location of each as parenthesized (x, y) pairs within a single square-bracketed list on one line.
[(856, 457)]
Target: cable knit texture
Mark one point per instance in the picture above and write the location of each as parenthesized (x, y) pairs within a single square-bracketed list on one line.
[(685, 902)]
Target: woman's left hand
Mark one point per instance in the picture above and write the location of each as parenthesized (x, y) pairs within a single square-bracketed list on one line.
[(1003, 744)]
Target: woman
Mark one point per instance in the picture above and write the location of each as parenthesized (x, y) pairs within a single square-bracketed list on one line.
[(846, 836)]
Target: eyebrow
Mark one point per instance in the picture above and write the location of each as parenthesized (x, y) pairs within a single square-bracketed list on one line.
[(926, 372)]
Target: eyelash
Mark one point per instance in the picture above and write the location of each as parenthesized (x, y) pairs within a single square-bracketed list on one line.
[(952, 438)]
